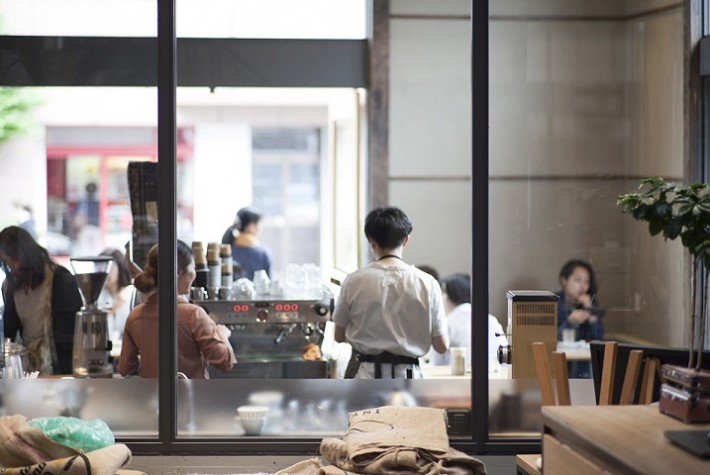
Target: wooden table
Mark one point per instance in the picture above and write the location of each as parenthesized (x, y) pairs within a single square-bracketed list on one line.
[(615, 439)]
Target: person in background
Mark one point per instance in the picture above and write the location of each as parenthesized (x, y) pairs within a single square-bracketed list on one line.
[(200, 340), (578, 309), (429, 270), (117, 296), (248, 254), (26, 219), (87, 210), (389, 311), (85, 223), (456, 290), (41, 300)]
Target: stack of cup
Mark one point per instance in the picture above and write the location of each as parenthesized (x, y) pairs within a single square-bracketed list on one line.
[(13, 368), (225, 255), (201, 269), (262, 283), (214, 264)]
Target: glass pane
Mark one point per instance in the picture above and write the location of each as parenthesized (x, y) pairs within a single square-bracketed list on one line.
[(128, 406), (585, 100), (65, 179), (311, 407), (197, 19)]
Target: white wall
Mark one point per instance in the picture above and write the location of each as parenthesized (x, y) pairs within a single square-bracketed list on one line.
[(429, 127), (575, 106)]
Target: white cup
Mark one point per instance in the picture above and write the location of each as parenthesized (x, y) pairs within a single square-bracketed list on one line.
[(252, 418), (568, 335), (458, 360)]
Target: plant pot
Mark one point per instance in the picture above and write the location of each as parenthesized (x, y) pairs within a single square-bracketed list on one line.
[(685, 393)]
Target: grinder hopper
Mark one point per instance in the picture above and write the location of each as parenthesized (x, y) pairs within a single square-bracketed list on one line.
[(90, 357)]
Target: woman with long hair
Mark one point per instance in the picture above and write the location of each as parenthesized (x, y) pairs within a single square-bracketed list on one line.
[(41, 300)]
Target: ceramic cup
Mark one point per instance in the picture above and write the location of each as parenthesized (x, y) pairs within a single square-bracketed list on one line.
[(252, 418), (458, 360)]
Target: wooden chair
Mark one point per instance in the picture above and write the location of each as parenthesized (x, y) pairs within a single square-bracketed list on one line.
[(559, 362), (628, 388)]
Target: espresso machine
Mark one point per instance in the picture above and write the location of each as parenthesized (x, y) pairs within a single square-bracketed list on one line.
[(90, 357), (269, 335)]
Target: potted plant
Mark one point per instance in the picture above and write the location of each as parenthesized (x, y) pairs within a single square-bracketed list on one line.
[(679, 211)]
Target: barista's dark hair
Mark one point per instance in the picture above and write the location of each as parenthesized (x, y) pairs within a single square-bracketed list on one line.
[(245, 217), (20, 246), (457, 288), (388, 227), (119, 260), (147, 281), (569, 268)]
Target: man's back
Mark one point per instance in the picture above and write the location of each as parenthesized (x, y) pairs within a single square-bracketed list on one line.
[(390, 308)]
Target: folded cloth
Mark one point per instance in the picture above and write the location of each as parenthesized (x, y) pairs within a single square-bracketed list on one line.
[(104, 461), (304, 467), (25, 449), (393, 440), (22, 444)]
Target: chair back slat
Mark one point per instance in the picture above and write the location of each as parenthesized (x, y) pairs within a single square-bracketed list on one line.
[(606, 391), (648, 380), (633, 369), (542, 370), (559, 362)]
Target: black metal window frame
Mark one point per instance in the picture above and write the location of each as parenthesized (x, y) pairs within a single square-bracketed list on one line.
[(298, 63)]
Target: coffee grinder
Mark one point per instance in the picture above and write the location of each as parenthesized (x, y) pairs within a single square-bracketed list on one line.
[(90, 357)]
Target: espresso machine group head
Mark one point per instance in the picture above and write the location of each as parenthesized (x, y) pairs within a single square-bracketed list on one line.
[(90, 357)]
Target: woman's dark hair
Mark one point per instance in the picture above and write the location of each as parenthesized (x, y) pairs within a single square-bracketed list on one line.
[(19, 245), (119, 260), (147, 281), (457, 287), (245, 217), (569, 268), (388, 227)]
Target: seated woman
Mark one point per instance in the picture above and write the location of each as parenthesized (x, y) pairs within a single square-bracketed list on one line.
[(578, 309), (200, 340)]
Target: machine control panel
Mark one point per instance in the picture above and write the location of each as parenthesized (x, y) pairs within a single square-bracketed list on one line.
[(268, 311)]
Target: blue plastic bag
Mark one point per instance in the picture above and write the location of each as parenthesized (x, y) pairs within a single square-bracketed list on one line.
[(80, 435)]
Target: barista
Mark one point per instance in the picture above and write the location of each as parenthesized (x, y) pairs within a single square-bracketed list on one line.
[(200, 340), (390, 312), (248, 253)]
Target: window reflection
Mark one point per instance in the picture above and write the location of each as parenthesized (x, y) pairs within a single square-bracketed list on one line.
[(582, 90)]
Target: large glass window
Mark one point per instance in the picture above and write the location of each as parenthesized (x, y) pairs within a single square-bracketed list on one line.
[(583, 101)]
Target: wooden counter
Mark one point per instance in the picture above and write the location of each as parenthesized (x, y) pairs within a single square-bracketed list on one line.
[(615, 439)]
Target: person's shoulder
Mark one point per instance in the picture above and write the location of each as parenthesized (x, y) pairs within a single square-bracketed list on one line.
[(62, 276), (189, 308), (61, 272)]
